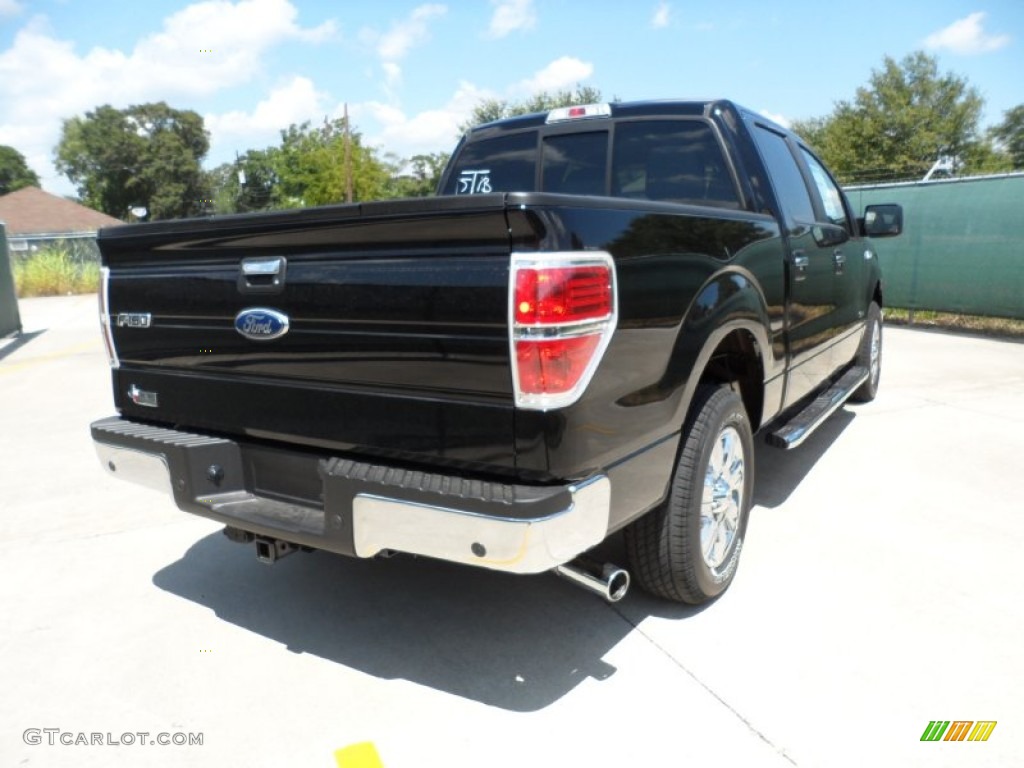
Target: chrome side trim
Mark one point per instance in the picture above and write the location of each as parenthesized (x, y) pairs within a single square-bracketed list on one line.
[(105, 320), (148, 469), (503, 544)]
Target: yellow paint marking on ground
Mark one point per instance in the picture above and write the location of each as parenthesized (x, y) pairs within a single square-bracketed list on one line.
[(85, 346), (363, 755)]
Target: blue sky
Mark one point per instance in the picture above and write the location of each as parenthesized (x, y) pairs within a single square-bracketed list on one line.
[(411, 71)]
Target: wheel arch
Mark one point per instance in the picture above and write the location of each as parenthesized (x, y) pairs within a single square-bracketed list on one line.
[(734, 342)]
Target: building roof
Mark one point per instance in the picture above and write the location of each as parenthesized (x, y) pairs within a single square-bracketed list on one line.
[(31, 211)]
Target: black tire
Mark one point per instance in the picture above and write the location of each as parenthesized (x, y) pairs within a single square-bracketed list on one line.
[(866, 392), (664, 546)]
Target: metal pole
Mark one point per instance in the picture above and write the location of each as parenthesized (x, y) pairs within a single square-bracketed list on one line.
[(348, 159)]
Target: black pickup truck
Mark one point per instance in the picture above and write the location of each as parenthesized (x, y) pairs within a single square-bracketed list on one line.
[(581, 333)]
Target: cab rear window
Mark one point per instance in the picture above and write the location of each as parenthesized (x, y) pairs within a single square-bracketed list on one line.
[(504, 164), (671, 160)]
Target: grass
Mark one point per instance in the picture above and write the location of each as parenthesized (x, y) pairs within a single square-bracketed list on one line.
[(1000, 327), (52, 272)]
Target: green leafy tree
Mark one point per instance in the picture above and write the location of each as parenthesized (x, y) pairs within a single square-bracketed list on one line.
[(14, 171), (901, 123), (147, 155), (418, 176), (250, 183), (496, 109), (1010, 134), (311, 168)]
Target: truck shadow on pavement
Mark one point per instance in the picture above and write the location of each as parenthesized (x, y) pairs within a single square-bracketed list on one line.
[(515, 642), (9, 347), (780, 472)]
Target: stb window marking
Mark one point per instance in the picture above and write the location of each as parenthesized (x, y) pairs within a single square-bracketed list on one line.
[(474, 182)]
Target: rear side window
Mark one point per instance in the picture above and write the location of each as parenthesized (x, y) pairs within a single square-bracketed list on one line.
[(676, 160), (502, 164), (786, 177)]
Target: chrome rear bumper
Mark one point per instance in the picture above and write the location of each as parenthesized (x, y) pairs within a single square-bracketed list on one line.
[(363, 510)]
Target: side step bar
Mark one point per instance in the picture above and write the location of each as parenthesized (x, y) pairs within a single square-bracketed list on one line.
[(801, 425)]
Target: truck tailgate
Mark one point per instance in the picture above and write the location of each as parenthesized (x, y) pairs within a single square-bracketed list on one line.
[(394, 318)]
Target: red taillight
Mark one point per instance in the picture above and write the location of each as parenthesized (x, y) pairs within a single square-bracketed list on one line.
[(563, 295), (563, 315)]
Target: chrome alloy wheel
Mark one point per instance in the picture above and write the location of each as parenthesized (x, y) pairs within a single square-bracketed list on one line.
[(876, 352), (723, 498)]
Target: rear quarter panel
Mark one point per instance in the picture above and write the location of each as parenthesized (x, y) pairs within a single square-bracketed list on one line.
[(686, 277)]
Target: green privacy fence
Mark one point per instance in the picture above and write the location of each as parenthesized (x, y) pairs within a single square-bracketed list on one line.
[(962, 247), (10, 321)]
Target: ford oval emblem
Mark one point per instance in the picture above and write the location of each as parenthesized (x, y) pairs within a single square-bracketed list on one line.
[(261, 324)]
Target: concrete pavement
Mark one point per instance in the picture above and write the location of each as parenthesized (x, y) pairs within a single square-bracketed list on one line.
[(879, 590)]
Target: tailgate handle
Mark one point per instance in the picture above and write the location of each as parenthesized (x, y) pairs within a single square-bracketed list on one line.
[(261, 274)]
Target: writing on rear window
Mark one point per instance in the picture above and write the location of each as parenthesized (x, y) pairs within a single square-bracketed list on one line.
[(474, 182)]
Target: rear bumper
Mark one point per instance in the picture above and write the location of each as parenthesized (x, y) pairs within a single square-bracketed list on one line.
[(361, 509)]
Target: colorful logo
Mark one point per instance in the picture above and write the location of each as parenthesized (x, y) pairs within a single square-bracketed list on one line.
[(958, 730)]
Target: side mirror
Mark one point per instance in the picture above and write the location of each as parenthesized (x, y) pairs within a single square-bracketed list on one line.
[(884, 220)]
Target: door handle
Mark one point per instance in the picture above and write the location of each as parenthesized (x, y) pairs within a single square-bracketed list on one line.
[(839, 261), (800, 263), (262, 274)]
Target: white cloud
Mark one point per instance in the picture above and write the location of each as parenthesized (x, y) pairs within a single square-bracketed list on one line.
[(389, 127), (403, 35), (661, 15), (393, 46), (966, 37), (9, 8), (44, 79), (561, 73), (294, 102), (432, 130), (782, 120), (392, 73), (510, 16)]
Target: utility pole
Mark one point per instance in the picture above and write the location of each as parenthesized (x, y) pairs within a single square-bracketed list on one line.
[(348, 159)]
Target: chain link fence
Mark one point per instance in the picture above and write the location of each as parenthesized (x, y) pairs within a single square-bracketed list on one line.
[(80, 248)]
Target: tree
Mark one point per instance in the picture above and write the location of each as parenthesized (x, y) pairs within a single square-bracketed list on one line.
[(901, 123), (496, 109), (14, 171), (248, 184), (147, 155), (418, 176), (311, 169), (1010, 134)]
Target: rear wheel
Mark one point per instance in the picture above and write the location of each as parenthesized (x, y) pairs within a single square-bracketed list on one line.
[(870, 356), (687, 549)]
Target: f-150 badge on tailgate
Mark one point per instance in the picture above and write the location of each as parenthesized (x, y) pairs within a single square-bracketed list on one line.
[(134, 320), (261, 324)]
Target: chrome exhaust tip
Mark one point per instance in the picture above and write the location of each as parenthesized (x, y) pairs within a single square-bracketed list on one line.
[(609, 581)]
